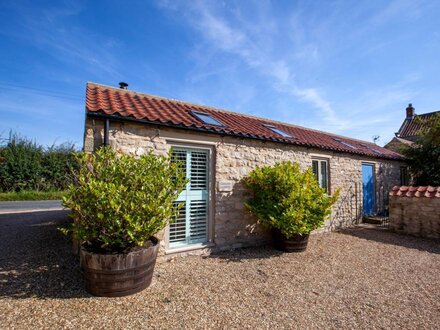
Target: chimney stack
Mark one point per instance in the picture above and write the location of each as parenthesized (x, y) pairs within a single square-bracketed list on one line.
[(410, 111), (123, 85)]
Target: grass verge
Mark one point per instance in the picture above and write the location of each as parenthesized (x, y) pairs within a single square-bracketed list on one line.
[(31, 195)]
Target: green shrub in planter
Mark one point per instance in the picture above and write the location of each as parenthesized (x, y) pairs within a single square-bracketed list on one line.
[(118, 202), (287, 199)]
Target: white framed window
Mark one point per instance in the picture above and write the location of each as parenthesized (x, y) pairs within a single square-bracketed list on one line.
[(321, 170)]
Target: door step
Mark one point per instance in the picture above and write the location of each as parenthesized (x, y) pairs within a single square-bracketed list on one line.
[(373, 220), (372, 226)]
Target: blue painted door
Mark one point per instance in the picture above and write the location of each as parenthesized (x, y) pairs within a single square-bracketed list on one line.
[(368, 188)]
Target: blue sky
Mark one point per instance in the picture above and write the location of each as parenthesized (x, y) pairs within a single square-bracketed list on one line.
[(348, 67)]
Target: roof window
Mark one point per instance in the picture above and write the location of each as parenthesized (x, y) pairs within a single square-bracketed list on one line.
[(206, 118), (345, 143), (371, 148), (278, 131)]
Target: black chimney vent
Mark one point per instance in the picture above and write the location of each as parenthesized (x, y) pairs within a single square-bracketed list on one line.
[(123, 85)]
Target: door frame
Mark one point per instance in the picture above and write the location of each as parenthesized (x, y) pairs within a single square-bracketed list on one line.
[(373, 165), (211, 193)]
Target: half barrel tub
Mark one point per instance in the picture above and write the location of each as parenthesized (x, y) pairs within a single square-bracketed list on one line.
[(117, 275), (296, 243)]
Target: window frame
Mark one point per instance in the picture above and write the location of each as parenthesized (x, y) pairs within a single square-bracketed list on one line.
[(197, 115), (371, 149), (210, 199), (320, 160), (345, 143), (279, 131)]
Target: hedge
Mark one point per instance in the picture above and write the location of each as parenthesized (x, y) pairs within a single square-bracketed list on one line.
[(27, 165)]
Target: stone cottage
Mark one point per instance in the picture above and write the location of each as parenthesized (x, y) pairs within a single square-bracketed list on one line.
[(220, 148)]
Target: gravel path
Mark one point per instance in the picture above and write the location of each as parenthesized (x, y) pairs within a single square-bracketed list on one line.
[(357, 279)]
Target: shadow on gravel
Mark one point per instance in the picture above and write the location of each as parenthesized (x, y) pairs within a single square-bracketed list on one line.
[(244, 254), (36, 259), (388, 237)]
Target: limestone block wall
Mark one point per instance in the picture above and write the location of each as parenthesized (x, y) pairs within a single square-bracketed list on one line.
[(415, 211), (233, 159)]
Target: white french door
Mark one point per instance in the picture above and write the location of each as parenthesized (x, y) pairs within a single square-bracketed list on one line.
[(192, 224)]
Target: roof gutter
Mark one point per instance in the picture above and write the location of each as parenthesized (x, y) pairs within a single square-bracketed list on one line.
[(197, 129)]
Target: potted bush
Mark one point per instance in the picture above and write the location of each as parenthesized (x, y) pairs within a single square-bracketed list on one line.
[(118, 204), (289, 202)]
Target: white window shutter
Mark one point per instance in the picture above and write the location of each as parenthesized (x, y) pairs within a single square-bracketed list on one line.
[(192, 224)]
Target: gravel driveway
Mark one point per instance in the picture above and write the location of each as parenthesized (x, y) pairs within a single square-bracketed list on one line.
[(357, 279)]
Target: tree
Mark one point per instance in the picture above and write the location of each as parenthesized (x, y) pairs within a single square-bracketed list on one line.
[(424, 155)]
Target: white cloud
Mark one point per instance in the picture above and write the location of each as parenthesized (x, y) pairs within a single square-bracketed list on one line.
[(404, 9), (340, 60), (313, 96), (224, 30)]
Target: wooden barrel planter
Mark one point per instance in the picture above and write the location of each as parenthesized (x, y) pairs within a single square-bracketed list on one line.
[(296, 243), (76, 247), (117, 275)]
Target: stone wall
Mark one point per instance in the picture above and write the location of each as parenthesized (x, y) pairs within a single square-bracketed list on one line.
[(415, 211), (233, 159)]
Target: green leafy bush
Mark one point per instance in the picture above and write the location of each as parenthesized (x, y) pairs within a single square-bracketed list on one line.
[(287, 199), (118, 202), (423, 157), (58, 163), (20, 164), (26, 165)]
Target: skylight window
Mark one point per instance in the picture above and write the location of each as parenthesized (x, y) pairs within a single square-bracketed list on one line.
[(278, 131), (345, 143), (206, 118), (371, 148)]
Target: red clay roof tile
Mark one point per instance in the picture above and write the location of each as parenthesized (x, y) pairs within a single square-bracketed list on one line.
[(421, 191), (414, 126), (111, 101)]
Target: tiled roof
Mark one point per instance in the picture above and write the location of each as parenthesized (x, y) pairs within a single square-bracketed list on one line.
[(422, 191), (412, 127), (407, 142), (116, 102)]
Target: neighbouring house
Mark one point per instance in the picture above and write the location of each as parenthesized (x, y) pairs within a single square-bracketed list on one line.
[(220, 148), (412, 126)]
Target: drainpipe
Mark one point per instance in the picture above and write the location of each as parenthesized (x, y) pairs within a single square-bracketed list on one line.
[(106, 130)]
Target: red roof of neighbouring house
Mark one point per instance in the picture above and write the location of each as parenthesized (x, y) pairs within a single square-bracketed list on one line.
[(124, 104), (412, 127), (422, 191)]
